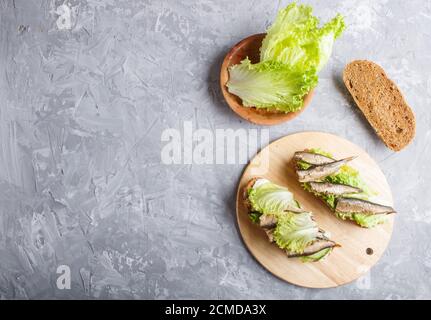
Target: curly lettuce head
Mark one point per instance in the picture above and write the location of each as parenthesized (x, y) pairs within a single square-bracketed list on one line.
[(295, 38), (294, 50)]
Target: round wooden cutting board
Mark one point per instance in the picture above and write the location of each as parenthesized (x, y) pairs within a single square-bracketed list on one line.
[(360, 248)]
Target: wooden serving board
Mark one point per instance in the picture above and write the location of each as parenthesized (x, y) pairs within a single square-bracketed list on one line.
[(360, 248)]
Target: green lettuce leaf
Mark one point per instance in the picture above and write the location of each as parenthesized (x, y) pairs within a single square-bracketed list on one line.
[(369, 221), (316, 256), (254, 216), (327, 35), (350, 176), (294, 50), (270, 84), (285, 39), (295, 231), (329, 199), (344, 215), (321, 152), (303, 165), (269, 198)]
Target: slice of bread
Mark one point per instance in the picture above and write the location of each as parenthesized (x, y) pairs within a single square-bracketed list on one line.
[(381, 102)]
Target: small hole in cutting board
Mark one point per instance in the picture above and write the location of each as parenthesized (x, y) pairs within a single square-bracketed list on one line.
[(369, 251)]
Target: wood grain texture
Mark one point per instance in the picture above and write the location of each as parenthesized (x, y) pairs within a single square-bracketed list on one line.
[(344, 264), (249, 47)]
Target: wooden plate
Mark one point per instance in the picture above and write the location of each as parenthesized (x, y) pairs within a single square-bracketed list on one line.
[(361, 248), (249, 47)]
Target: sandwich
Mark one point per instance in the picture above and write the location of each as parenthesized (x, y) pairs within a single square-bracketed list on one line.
[(285, 223), (340, 186)]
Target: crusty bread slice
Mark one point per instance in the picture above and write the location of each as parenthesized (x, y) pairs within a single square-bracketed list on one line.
[(381, 102)]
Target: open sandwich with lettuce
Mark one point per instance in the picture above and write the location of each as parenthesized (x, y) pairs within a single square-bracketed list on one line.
[(293, 52), (292, 228), (340, 187)]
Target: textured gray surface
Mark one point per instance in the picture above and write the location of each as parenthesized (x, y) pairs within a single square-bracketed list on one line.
[(82, 110)]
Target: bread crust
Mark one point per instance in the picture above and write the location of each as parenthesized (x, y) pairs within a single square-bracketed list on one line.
[(248, 186), (381, 102)]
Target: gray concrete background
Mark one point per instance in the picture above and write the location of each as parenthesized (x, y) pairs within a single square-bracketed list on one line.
[(82, 109)]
